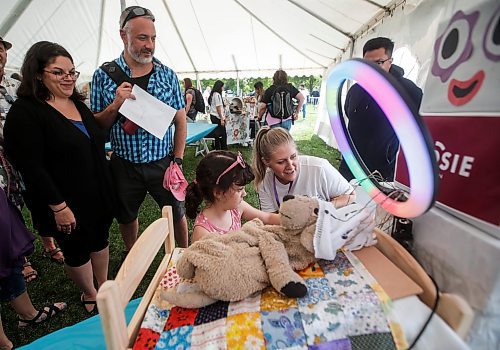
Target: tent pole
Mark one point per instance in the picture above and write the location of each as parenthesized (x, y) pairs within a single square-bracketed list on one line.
[(237, 76), (13, 16), (277, 34), (315, 15), (198, 82), (99, 34), (179, 34)]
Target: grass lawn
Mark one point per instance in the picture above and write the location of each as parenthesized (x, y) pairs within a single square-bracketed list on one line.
[(53, 284)]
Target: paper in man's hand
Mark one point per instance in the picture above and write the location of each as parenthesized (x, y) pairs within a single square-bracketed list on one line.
[(148, 112)]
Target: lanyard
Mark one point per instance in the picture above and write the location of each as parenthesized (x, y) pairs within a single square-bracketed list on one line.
[(276, 191)]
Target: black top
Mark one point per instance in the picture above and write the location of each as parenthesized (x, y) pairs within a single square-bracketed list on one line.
[(370, 130), (58, 162), (270, 91)]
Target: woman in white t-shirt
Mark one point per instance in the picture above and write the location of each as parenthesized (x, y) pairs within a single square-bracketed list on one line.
[(279, 171), (217, 116)]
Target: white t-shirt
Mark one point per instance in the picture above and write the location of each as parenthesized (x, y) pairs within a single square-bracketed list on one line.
[(316, 177), (216, 101)]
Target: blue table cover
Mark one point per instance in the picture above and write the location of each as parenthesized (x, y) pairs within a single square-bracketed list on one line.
[(195, 132), (81, 336)]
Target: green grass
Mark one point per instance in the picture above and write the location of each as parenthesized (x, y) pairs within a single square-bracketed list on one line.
[(53, 284)]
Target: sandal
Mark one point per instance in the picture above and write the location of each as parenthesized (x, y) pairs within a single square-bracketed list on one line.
[(29, 276), (51, 253), (84, 302), (43, 315)]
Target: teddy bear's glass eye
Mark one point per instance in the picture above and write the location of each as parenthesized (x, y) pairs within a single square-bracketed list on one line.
[(316, 210)]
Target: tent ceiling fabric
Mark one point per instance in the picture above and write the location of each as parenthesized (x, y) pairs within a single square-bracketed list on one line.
[(220, 38)]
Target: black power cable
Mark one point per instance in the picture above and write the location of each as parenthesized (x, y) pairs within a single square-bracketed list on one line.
[(434, 308)]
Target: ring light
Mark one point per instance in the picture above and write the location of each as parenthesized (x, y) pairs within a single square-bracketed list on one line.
[(408, 126)]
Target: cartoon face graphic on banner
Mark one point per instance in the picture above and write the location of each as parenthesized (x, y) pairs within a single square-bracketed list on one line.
[(465, 74)]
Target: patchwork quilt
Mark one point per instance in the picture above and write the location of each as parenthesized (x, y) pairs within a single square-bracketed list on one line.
[(344, 309)]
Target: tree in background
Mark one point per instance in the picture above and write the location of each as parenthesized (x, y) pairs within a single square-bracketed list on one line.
[(246, 84)]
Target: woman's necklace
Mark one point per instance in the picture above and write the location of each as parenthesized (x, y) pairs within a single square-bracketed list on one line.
[(276, 191)]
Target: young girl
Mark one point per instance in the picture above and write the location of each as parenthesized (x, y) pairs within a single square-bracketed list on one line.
[(279, 171), (221, 177)]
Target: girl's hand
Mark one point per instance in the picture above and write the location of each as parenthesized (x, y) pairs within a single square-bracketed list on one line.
[(65, 220), (222, 121)]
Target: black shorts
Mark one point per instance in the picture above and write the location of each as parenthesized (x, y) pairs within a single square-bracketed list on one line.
[(134, 180), (84, 240)]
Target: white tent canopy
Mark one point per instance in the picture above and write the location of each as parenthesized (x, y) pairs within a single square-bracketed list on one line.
[(218, 38)]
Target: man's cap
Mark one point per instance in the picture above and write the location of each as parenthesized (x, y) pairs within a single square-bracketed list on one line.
[(133, 12), (5, 43)]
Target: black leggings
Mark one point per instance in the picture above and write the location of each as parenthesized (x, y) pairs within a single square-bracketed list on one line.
[(219, 134)]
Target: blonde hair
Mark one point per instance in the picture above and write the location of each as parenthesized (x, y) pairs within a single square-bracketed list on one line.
[(266, 142)]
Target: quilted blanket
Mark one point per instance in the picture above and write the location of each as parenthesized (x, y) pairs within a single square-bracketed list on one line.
[(344, 309)]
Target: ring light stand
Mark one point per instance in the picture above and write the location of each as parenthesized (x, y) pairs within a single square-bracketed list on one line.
[(408, 126)]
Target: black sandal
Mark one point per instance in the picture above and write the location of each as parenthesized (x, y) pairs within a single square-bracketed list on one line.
[(51, 253), (84, 302), (49, 312), (29, 276)]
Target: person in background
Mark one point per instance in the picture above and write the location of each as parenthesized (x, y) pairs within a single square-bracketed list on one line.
[(304, 93), (52, 138), (373, 135), (280, 81), (16, 76), (140, 159), (220, 181), (8, 86), (17, 242), (259, 93), (85, 90), (218, 116), (254, 120), (190, 98), (279, 170), (315, 97), (10, 180)]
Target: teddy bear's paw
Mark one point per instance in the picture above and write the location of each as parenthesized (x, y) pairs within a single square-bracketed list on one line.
[(187, 295), (294, 290)]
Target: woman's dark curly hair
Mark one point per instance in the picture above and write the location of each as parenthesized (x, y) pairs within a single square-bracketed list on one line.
[(207, 172), (39, 56)]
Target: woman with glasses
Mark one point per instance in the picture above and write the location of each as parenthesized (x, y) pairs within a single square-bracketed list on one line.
[(53, 140)]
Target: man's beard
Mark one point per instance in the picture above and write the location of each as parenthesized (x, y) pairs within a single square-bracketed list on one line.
[(136, 56)]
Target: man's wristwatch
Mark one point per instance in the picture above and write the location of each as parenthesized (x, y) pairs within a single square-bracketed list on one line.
[(178, 160)]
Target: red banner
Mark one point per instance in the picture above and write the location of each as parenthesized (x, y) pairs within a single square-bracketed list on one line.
[(468, 157)]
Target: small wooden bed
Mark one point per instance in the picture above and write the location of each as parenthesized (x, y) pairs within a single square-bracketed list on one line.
[(114, 295)]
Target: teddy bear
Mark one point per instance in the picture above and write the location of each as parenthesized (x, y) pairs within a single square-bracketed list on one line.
[(236, 265)]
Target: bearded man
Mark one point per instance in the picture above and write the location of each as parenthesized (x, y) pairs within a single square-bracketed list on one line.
[(139, 159)]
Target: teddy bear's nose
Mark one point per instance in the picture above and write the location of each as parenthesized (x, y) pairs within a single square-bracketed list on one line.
[(287, 197)]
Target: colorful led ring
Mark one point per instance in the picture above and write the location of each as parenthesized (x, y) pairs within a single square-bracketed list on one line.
[(412, 134)]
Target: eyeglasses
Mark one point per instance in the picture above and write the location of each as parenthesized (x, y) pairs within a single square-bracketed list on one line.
[(59, 74), (381, 62), (137, 12), (6, 95), (239, 160)]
